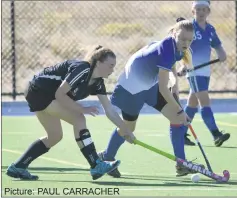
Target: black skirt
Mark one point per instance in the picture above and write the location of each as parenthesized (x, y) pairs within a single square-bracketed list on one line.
[(37, 98)]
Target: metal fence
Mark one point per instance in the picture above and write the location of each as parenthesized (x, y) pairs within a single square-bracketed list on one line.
[(36, 34)]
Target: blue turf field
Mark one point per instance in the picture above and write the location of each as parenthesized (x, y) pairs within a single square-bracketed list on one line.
[(21, 108)]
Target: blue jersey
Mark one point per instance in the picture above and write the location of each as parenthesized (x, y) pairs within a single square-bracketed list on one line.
[(141, 70), (201, 46)]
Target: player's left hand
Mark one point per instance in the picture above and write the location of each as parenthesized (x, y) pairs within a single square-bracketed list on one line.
[(182, 71), (222, 58)]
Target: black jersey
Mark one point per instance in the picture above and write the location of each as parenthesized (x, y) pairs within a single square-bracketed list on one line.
[(76, 73)]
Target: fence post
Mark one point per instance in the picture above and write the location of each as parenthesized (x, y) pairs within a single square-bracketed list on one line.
[(13, 54), (236, 44)]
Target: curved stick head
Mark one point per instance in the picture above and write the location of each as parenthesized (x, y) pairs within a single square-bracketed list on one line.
[(225, 178), (226, 175)]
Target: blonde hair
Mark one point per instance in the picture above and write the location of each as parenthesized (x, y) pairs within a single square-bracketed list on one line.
[(187, 59), (99, 53), (182, 24)]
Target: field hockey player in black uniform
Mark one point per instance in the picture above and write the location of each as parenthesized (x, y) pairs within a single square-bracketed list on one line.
[(52, 95)]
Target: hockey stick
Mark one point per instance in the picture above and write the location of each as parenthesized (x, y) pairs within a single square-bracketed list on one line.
[(200, 147), (200, 66), (189, 165), (196, 139)]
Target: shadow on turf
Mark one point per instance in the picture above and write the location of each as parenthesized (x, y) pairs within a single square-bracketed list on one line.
[(122, 183), (168, 181), (178, 179), (54, 170), (110, 183), (174, 183), (231, 147)]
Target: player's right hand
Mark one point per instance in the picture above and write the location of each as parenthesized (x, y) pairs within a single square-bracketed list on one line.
[(184, 119), (92, 110), (128, 136)]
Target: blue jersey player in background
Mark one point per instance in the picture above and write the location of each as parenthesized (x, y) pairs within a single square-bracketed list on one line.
[(205, 38), (145, 80)]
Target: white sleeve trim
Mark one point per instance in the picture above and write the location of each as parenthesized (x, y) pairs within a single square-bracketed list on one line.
[(78, 76), (164, 68)]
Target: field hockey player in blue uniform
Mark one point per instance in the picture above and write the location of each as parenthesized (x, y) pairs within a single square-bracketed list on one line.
[(145, 80), (205, 38)]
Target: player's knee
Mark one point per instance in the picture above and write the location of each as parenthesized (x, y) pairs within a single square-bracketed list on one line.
[(174, 121), (79, 121), (59, 137), (203, 99), (192, 101), (205, 102), (54, 139), (132, 127)]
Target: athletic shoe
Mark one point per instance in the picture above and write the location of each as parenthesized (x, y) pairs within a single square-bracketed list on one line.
[(187, 141), (183, 171), (115, 173), (21, 173), (221, 138), (103, 167)]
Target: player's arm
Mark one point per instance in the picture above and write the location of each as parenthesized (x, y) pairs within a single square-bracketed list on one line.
[(110, 112), (221, 53), (114, 117), (166, 53), (71, 81), (173, 78), (174, 72), (216, 44), (62, 97), (186, 63), (163, 88)]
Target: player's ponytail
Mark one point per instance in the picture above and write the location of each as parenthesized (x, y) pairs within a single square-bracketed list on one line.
[(180, 19), (187, 58)]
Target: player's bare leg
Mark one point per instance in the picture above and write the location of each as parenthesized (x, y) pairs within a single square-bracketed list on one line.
[(83, 139), (52, 126)]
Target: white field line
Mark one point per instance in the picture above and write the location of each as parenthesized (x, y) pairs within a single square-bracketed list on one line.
[(48, 159), (220, 123)]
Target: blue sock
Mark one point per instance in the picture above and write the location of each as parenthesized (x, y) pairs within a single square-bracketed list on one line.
[(190, 111), (208, 118), (114, 143), (177, 139)]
